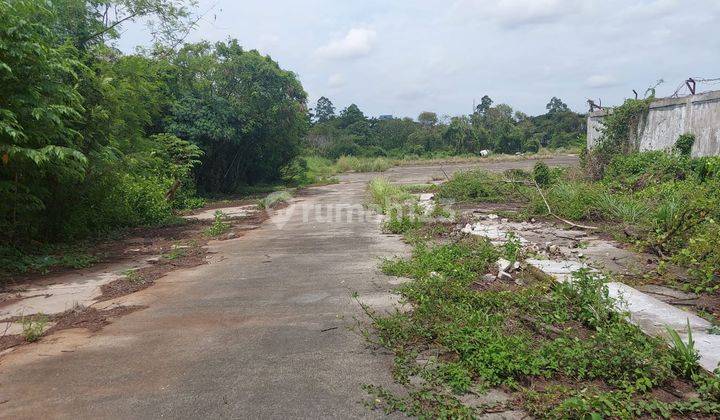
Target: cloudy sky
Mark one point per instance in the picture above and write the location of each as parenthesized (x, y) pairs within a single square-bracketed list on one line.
[(406, 56)]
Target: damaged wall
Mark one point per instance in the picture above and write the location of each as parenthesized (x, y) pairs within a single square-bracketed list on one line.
[(668, 118)]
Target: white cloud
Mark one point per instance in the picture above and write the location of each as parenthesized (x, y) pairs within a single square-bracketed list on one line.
[(601, 81), (357, 42), (336, 80), (516, 13)]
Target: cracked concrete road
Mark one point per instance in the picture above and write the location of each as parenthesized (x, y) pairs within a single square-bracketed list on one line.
[(258, 333)]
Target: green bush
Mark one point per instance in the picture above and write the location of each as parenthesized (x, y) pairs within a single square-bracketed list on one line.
[(219, 225), (684, 144), (491, 338), (636, 171), (479, 186), (541, 174), (402, 220), (572, 200)]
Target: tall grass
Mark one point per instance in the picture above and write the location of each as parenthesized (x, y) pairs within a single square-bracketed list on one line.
[(320, 170), (273, 199), (384, 194)]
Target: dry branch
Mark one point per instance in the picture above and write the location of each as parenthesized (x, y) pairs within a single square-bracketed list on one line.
[(550, 212)]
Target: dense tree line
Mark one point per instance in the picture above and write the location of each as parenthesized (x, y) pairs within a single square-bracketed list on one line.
[(495, 128), (92, 139)]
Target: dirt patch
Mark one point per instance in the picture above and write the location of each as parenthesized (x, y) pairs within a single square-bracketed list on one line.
[(186, 256), (709, 303), (89, 318), (10, 341), (131, 244), (161, 250), (190, 252)]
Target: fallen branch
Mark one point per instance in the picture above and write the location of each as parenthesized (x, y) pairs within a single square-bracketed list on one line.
[(550, 212), (444, 173)]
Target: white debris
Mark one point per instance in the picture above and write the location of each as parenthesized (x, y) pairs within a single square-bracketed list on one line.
[(504, 265), (228, 212), (504, 276)]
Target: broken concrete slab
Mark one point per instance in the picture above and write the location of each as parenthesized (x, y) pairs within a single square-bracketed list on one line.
[(666, 294), (560, 270), (384, 302), (479, 399), (57, 294), (228, 212), (653, 316)]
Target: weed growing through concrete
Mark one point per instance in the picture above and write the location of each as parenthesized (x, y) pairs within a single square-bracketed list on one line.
[(33, 327), (560, 349), (685, 354), (275, 198), (134, 276), (219, 225)]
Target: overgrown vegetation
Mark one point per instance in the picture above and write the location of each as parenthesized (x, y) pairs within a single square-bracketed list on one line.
[(219, 225), (560, 348), (33, 327), (93, 140), (620, 135), (666, 203)]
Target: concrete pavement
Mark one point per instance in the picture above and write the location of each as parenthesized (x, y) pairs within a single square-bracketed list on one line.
[(258, 333)]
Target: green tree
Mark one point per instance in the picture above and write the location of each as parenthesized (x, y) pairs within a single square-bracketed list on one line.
[(92, 22), (461, 136), (351, 115), (484, 105), (556, 105), (324, 110), (428, 119), (39, 102), (246, 113)]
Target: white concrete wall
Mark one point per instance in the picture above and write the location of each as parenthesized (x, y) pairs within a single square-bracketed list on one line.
[(668, 118)]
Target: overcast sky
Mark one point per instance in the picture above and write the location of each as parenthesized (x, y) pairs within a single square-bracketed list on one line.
[(404, 57)]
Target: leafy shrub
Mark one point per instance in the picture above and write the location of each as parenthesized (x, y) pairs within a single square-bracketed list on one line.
[(684, 144), (488, 337), (702, 255), (402, 220), (572, 200), (587, 296), (686, 357), (531, 145), (219, 225), (621, 208), (541, 174), (635, 171), (33, 327), (480, 185), (706, 168), (619, 135)]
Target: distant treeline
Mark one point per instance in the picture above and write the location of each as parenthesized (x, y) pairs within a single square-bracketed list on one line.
[(495, 128)]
